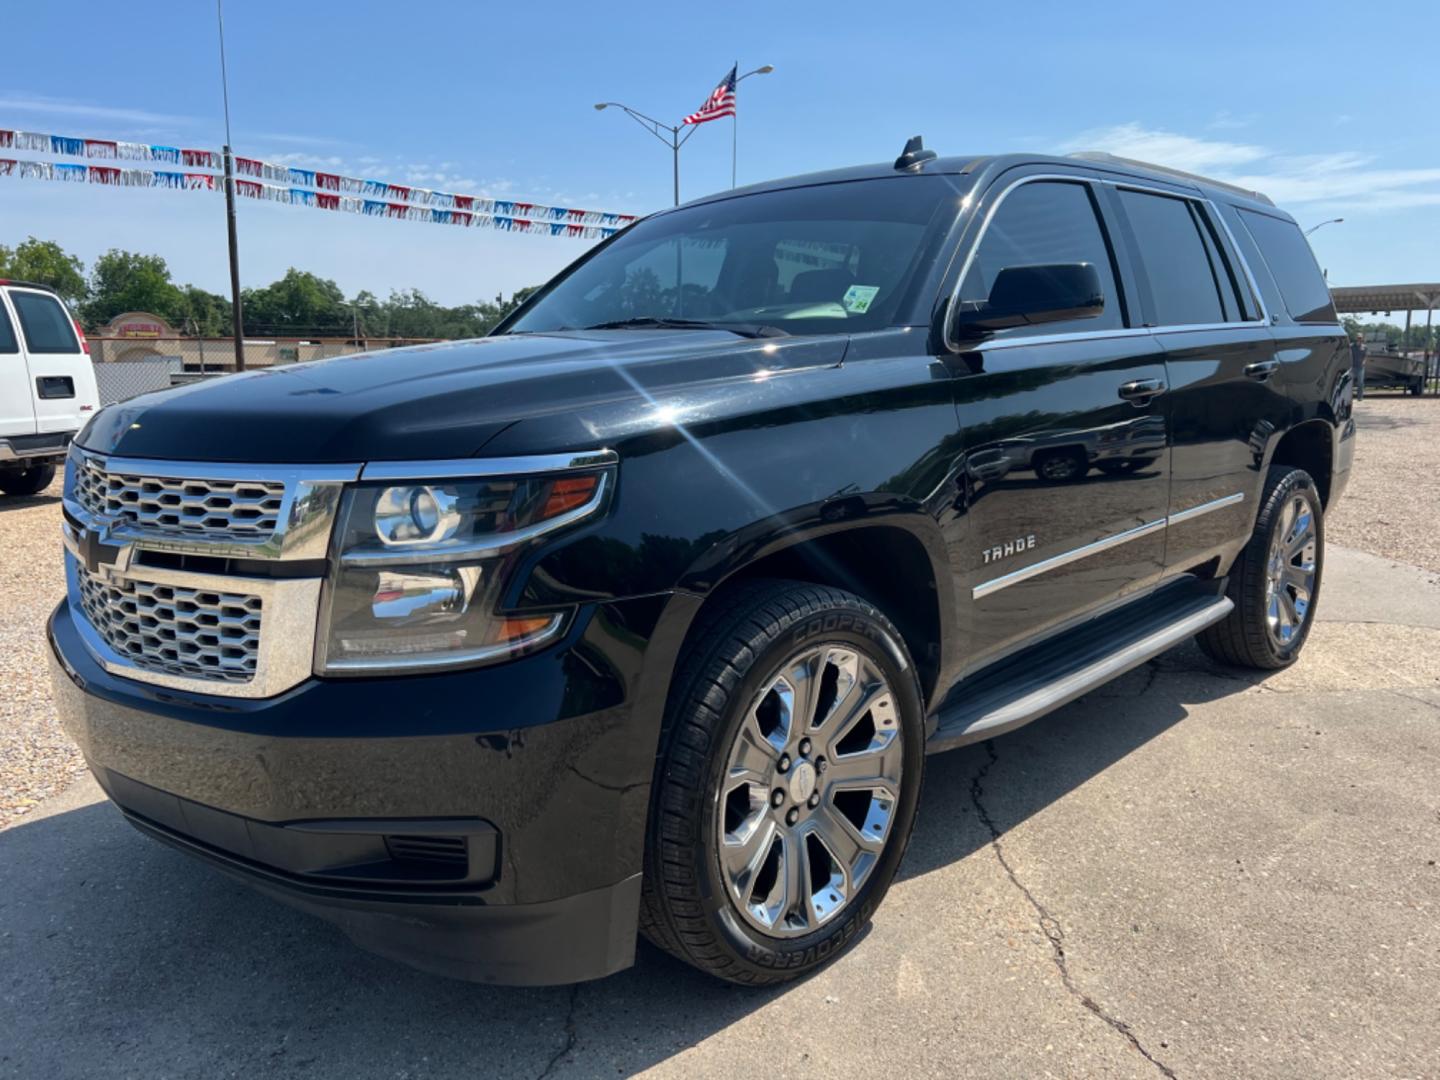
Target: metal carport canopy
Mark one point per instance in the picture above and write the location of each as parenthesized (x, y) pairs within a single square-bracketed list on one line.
[(1357, 298)]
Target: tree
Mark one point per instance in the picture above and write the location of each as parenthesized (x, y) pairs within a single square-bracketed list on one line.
[(299, 303), (206, 313), (123, 281), (45, 263)]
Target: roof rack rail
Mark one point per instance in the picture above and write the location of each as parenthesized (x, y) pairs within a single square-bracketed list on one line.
[(1101, 157)]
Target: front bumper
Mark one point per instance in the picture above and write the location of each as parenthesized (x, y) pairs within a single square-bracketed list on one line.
[(485, 824)]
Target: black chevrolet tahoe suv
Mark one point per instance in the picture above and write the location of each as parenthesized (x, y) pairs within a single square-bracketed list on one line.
[(642, 613)]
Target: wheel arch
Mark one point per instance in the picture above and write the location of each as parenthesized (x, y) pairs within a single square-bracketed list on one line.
[(1309, 445), (897, 564)]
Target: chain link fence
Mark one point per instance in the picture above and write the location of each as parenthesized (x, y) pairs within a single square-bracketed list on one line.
[(127, 367)]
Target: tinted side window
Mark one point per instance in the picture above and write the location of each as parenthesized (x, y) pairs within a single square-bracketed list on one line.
[(7, 332), (1041, 223), (1291, 261), (46, 324), (1183, 280)]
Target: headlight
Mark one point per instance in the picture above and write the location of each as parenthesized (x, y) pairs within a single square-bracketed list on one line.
[(421, 568)]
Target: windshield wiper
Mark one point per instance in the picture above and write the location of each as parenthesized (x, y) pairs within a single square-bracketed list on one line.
[(749, 330)]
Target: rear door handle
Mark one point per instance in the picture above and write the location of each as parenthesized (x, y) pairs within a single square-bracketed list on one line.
[(1262, 369), (1139, 391)]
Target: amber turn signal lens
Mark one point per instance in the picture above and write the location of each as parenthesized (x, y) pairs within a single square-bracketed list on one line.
[(568, 493), (517, 629)]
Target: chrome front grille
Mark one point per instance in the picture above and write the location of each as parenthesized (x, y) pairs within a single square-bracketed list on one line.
[(148, 611), (199, 633), (213, 509)]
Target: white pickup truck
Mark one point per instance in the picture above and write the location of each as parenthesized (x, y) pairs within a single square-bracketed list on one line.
[(47, 386)]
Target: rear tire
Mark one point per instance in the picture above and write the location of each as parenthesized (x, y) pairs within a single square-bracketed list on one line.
[(29, 481), (787, 785), (1275, 581)]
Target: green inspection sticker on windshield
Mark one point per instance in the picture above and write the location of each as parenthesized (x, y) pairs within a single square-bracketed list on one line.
[(858, 298)]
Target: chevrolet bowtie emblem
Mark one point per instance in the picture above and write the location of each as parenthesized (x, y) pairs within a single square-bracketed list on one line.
[(94, 549)]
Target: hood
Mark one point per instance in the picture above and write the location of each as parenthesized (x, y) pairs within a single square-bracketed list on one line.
[(433, 401)]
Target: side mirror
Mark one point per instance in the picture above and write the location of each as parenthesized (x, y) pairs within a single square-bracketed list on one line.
[(1032, 295)]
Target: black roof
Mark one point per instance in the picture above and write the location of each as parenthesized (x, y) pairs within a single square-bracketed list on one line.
[(965, 165)]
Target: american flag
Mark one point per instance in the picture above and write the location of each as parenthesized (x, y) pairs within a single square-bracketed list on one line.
[(721, 102)]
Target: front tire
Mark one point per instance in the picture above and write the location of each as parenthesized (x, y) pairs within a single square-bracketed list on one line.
[(29, 481), (1061, 466), (1275, 582), (788, 784)]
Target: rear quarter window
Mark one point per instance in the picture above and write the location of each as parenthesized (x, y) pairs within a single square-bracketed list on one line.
[(45, 323), (1293, 266)]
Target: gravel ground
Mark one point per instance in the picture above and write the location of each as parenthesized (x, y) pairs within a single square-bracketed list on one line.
[(1391, 505), (36, 757), (1389, 509)]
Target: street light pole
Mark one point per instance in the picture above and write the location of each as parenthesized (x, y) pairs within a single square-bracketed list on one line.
[(764, 69), (1332, 221), (671, 138)]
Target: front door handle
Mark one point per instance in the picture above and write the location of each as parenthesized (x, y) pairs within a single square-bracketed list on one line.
[(1262, 369), (1140, 391)]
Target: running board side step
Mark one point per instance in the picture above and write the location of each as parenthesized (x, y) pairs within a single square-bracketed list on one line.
[(1043, 678)]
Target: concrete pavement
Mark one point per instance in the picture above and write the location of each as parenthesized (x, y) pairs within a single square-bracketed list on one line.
[(1192, 872)]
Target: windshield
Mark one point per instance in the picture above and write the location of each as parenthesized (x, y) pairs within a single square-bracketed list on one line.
[(833, 258)]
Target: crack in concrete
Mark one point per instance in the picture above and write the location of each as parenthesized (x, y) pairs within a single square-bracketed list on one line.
[(570, 1036), (1411, 697), (1049, 925)]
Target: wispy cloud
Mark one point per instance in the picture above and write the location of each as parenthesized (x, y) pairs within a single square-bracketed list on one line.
[(289, 138), (1166, 147), (82, 110), (1344, 180), (314, 161), (1225, 120)]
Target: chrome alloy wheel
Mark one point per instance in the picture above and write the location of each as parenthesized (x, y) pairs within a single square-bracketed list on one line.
[(810, 790), (1290, 572)]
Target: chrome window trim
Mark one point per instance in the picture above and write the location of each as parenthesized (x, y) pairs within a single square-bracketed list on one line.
[(480, 467), (1083, 335), (284, 657), (1200, 197), (483, 546), (1025, 573), (1033, 178)]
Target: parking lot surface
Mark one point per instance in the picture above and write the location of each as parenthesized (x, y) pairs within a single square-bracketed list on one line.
[(1193, 872)]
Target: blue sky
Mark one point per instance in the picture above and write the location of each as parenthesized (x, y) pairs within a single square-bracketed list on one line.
[(1303, 100)]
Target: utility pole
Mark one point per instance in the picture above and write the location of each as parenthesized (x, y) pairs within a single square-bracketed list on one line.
[(235, 311)]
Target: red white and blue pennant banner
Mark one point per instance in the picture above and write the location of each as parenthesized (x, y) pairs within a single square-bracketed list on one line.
[(478, 213), (296, 187)]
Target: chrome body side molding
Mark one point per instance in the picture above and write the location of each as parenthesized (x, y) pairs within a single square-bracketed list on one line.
[(1025, 573)]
